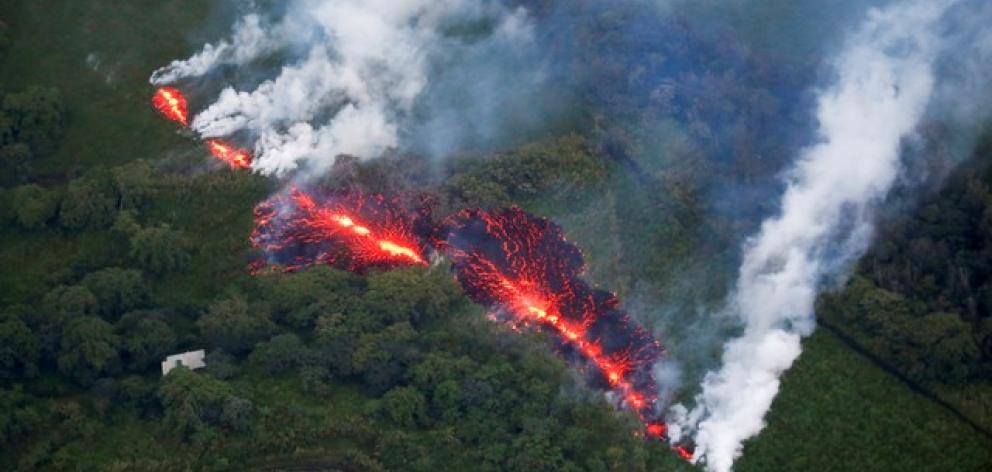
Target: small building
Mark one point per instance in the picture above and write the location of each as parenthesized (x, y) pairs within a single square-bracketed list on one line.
[(191, 360)]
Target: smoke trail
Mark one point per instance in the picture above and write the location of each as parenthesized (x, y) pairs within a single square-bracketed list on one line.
[(248, 42), (356, 72), (884, 82)]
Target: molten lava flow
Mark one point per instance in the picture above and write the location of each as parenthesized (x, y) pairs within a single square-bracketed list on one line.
[(171, 103), (518, 265), (659, 431), (522, 266), (232, 156), (347, 229), (656, 430)]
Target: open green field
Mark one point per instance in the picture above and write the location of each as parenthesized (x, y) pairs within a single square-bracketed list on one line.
[(835, 412)]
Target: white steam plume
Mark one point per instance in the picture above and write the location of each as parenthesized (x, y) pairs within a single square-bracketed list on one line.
[(248, 42), (362, 65), (884, 82)]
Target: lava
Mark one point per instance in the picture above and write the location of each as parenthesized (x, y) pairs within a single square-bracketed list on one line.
[(518, 265), (522, 267), (171, 103), (230, 155), (348, 229), (656, 430)]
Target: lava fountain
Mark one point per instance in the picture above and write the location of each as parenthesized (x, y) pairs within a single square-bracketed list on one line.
[(230, 155), (171, 103)]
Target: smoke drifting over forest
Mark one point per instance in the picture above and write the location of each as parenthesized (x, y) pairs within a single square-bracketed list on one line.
[(885, 80), (826, 135), (358, 78)]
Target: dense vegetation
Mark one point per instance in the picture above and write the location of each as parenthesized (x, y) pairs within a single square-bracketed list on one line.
[(115, 254)]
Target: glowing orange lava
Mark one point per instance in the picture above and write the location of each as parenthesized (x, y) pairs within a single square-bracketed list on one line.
[(348, 229), (522, 267), (334, 220), (400, 251), (171, 103), (614, 368), (518, 265), (656, 430), (232, 156)]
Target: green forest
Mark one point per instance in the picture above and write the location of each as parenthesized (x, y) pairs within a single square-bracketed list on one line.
[(121, 245)]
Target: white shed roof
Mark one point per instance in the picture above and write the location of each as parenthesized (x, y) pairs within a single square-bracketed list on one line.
[(191, 360)]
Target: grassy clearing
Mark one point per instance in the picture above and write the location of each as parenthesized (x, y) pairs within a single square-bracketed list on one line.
[(973, 399), (837, 411)]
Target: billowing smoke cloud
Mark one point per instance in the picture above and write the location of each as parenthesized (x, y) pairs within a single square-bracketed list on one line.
[(885, 80), (357, 72)]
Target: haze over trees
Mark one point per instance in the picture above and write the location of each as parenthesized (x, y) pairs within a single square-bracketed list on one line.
[(119, 249)]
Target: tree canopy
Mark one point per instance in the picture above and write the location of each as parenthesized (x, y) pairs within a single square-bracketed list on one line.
[(90, 348), (160, 249), (236, 325)]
